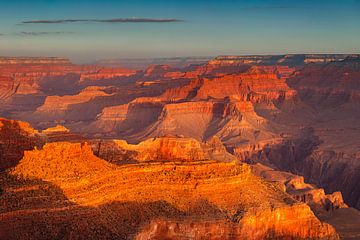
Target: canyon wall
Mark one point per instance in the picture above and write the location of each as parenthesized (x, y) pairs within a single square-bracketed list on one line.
[(188, 195)]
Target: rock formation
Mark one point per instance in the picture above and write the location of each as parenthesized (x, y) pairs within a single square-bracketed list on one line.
[(105, 73), (15, 138), (293, 118), (148, 198), (59, 107), (161, 149)]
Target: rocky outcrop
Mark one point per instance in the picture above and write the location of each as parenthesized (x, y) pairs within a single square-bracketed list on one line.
[(156, 71), (57, 128), (161, 149), (15, 138), (146, 197), (328, 85), (203, 119), (320, 202), (38, 78), (65, 107), (256, 85), (231, 120), (320, 169), (247, 228), (333, 171), (8, 87), (60, 133), (127, 119), (60, 160), (306, 156)]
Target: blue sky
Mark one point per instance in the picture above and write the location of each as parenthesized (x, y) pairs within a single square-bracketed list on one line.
[(205, 28)]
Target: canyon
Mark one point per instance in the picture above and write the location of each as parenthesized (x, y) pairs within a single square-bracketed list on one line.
[(234, 147)]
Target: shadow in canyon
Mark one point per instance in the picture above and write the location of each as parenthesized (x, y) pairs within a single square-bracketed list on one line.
[(36, 209), (13, 142)]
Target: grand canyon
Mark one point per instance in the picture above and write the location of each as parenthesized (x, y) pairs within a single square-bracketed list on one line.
[(179, 120), (236, 147)]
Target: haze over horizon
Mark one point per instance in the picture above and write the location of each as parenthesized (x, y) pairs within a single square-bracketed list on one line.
[(88, 30)]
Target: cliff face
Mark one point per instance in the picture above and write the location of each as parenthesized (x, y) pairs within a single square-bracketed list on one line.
[(205, 107), (321, 203), (311, 158), (230, 120), (245, 229), (146, 197), (30, 76), (256, 85), (59, 107), (26, 82), (8, 87), (15, 138), (163, 149), (328, 85), (60, 160)]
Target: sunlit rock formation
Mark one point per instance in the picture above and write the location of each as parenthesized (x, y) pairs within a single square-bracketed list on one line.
[(162, 149), (148, 198)]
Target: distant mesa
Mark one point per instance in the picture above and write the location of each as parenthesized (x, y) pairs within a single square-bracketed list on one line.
[(56, 129), (34, 60)]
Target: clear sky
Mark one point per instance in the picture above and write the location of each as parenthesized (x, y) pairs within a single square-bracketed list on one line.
[(159, 28)]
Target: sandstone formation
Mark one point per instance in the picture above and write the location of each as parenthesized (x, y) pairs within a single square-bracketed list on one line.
[(205, 107), (58, 107), (149, 200), (8, 87), (320, 203), (15, 138), (60, 133), (163, 149)]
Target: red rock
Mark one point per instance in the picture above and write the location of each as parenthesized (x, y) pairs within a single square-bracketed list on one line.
[(189, 196), (15, 138)]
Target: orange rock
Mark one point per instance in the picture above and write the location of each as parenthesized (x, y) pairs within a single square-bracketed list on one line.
[(106, 73), (161, 149), (224, 200), (15, 138)]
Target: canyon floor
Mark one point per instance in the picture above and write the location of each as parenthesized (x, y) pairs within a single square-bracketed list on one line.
[(235, 147)]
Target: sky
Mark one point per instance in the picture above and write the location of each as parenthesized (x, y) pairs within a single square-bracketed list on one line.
[(88, 30)]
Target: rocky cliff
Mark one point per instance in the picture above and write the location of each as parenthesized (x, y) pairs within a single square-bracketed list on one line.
[(15, 138), (146, 198), (163, 149)]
